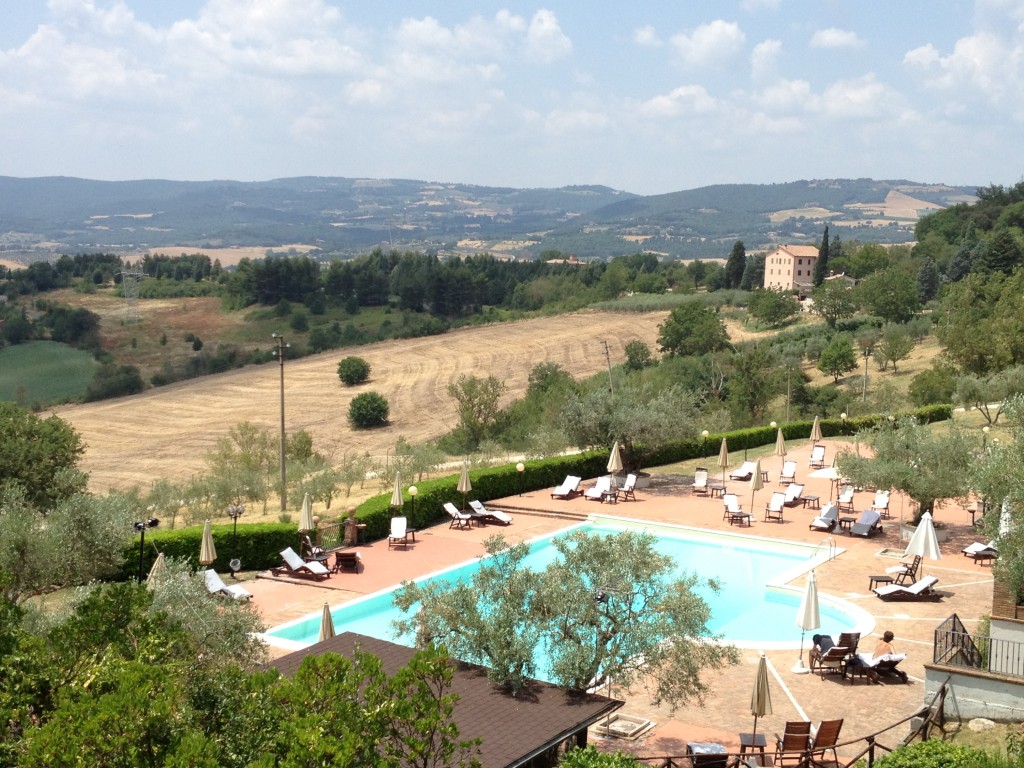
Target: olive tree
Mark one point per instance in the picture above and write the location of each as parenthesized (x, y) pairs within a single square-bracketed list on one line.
[(476, 401), (39, 456)]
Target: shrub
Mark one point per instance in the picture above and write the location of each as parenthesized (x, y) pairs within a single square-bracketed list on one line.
[(368, 410), (933, 754), (353, 370), (591, 758)]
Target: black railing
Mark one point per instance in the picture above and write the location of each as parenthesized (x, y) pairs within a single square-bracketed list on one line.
[(956, 647)]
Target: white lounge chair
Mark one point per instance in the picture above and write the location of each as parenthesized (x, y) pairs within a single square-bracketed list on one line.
[(794, 494), (827, 519), (788, 474), (733, 511), (400, 532), (216, 585), (628, 488), (905, 571), (600, 490), (459, 519), (867, 524), (981, 553), (776, 504), (570, 487), (817, 460), (700, 481), (295, 566), (745, 472), (483, 514), (881, 503), (845, 500), (919, 590)]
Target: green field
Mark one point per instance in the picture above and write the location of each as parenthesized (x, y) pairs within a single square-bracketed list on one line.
[(44, 372)]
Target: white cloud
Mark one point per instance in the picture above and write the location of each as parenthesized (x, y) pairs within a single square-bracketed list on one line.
[(785, 96), (983, 63), (711, 43), (684, 100), (764, 56), (646, 37), (756, 5), (836, 38), (860, 98), (567, 122), (545, 40)]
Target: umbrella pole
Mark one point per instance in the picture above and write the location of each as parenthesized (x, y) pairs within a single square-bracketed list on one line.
[(799, 668), (755, 729)]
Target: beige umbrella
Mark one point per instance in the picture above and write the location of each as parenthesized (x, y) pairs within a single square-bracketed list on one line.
[(464, 486), (157, 573), (396, 495), (807, 618), (723, 459), (326, 624), (306, 516), (816, 431), (780, 447), (756, 483), (207, 552), (615, 461), (924, 542), (761, 699)]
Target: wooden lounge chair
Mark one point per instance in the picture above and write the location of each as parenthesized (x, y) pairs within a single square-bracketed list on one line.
[(919, 590), (793, 494), (700, 481), (600, 490), (825, 740), (981, 553), (881, 503), (845, 500), (459, 519), (628, 489), (791, 748), (905, 573), (215, 584), (484, 515), (745, 472), (775, 506), (867, 525), (347, 560), (297, 567), (788, 474), (886, 666), (570, 487), (733, 511), (817, 460), (827, 520), (828, 657), (400, 532)]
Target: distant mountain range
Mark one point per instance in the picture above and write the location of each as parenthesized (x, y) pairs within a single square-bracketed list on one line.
[(341, 216)]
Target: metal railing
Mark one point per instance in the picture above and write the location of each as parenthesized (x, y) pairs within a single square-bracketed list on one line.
[(954, 646)]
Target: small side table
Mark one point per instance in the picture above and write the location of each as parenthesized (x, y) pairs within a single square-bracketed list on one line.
[(716, 490), (846, 523), (874, 581), (753, 742), (812, 501), (764, 475)]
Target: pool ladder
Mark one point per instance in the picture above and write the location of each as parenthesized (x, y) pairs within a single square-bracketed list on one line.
[(829, 542)]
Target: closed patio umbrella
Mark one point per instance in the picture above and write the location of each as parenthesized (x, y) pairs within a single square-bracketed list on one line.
[(615, 461), (761, 699), (924, 542), (157, 573), (816, 431), (326, 624), (780, 447), (807, 618), (207, 552), (306, 516), (464, 486), (396, 495), (756, 483), (723, 458)]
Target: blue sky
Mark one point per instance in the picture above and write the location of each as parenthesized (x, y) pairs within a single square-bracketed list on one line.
[(648, 96)]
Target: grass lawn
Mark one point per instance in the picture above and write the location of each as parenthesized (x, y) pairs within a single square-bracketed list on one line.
[(44, 372)]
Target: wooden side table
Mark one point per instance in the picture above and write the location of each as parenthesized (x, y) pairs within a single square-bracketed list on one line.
[(753, 742), (874, 581)]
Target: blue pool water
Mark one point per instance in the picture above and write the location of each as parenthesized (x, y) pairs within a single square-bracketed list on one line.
[(750, 610)]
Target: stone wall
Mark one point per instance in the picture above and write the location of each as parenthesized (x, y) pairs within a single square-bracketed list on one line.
[(973, 693)]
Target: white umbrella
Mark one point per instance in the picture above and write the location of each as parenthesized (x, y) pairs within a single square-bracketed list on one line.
[(924, 542), (207, 552), (807, 618), (756, 483), (306, 516), (396, 495), (816, 431), (615, 461), (780, 446), (326, 624), (827, 473), (157, 573), (464, 486), (761, 699), (723, 458)]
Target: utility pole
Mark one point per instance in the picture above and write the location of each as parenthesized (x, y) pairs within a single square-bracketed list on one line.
[(864, 389), (281, 347), (608, 357)]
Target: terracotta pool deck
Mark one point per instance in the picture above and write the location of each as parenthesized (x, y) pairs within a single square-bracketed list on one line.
[(966, 588)]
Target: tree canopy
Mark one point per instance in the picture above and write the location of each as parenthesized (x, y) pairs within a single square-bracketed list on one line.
[(692, 329), (38, 456)]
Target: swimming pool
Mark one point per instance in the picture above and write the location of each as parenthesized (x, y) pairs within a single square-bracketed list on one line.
[(754, 608)]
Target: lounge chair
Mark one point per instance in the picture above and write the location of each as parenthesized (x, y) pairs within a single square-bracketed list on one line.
[(788, 474), (980, 553), (845, 500), (827, 657), (216, 585), (745, 472), (459, 519), (905, 572), (600, 490), (700, 481), (881, 503), (570, 487), (400, 532), (794, 494), (775, 506), (311, 551), (825, 740), (485, 515), (867, 525), (919, 590), (827, 520), (296, 566), (817, 460), (886, 665), (346, 560), (793, 745), (733, 511), (628, 488)]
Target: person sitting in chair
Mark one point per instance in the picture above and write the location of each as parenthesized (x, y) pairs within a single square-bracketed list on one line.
[(885, 646)]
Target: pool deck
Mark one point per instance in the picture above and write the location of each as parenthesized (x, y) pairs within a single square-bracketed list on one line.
[(966, 588)]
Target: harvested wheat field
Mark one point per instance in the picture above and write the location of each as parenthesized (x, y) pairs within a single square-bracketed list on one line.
[(167, 432)]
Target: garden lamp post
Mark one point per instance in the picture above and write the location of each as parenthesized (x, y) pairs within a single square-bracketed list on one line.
[(413, 490), (864, 387), (281, 347), (235, 511), (703, 442), (141, 526), (520, 468), (984, 437)]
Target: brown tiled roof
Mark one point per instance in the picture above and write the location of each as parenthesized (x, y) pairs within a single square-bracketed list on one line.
[(511, 729)]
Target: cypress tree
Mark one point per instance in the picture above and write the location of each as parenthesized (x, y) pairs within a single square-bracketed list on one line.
[(821, 266)]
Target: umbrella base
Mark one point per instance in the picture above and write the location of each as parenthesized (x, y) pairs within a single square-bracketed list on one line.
[(799, 668)]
